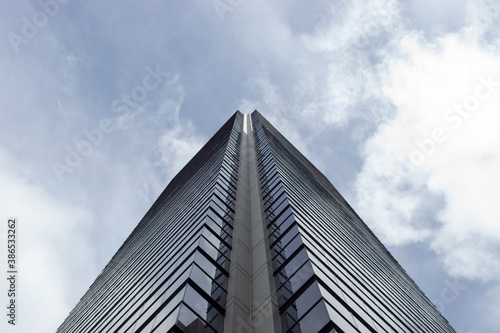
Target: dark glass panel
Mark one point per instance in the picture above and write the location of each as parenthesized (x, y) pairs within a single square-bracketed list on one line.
[(164, 324), (300, 277), (315, 319), (306, 300), (291, 235), (205, 264), (337, 305), (196, 302), (165, 311), (187, 319), (295, 262), (280, 224), (201, 279)]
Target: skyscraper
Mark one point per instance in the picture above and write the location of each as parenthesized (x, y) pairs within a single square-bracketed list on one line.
[(250, 237)]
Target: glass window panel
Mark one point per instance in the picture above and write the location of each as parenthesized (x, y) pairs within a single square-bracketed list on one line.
[(276, 209), (263, 161), (281, 278), (307, 299), (173, 302), (122, 317), (213, 239), (165, 324), (212, 251), (196, 302), (289, 242), (355, 308), (150, 308), (218, 210), (362, 327), (223, 262), (214, 222), (273, 192), (272, 181), (270, 168), (301, 276), (284, 293), (340, 321), (281, 224), (218, 294), (181, 270), (148, 327), (132, 319), (273, 232), (201, 279), (295, 263), (277, 262), (221, 204), (205, 264), (315, 320), (209, 248), (154, 302), (266, 167), (276, 248), (288, 320), (220, 279), (278, 219), (188, 320), (339, 307), (288, 251), (275, 200)]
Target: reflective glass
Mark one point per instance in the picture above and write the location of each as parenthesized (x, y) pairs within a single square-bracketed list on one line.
[(294, 263), (315, 319)]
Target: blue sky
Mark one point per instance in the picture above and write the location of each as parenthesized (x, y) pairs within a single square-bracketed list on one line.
[(396, 102)]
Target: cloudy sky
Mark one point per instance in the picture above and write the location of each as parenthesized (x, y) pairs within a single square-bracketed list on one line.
[(395, 101)]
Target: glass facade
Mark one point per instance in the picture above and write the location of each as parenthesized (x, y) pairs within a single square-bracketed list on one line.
[(171, 274), (330, 273)]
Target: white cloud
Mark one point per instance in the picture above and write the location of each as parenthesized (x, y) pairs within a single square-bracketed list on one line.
[(481, 17), (360, 23), (178, 144), (52, 246), (455, 176), (159, 119), (330, 72)]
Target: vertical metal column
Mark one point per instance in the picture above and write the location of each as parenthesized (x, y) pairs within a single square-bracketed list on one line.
[(251, 301)]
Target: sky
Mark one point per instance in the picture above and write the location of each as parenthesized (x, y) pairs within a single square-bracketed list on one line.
[(396, 102)]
